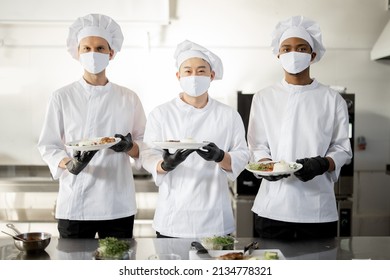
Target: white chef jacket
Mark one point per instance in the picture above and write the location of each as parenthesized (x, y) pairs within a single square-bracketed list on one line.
[(104, 190), (290, 122), (194, 199)]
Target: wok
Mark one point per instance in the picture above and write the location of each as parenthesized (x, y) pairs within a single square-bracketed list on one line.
[(30, 241)]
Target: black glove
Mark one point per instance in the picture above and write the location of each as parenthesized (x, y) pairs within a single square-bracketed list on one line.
[(212, 153), (272, 178), (171, 161), (124, 145), (79, 161), (312, 167)]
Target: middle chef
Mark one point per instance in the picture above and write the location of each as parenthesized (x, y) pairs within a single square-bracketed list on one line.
[(194, 199)]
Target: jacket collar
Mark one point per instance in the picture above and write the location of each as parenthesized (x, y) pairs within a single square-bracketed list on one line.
[(299, 88)]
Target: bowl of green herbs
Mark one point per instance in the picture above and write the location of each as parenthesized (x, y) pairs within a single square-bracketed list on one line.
[(219, 242), (111, 248)]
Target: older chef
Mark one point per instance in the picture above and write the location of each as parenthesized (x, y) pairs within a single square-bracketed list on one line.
[(96, 193), (299, 119), (194, 196)]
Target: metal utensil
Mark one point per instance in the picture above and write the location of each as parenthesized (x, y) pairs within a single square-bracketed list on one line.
[(11, 226), (200, 250), (14, 236), (248, 249)]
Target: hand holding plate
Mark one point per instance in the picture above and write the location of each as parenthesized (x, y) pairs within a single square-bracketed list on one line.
[(124, 145), (171, 161), (80, 161), (272, 178), (211, 152), (312, 167)]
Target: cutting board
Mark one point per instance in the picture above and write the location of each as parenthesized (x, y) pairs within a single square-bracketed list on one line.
[(256, 254)]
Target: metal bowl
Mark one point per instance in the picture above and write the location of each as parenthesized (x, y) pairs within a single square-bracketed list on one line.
[(32, 241)]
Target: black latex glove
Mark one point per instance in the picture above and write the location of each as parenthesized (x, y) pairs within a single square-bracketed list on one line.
[(312, 167), (171, 161), (124, 145), (79, 161), (272, 178), (212, 153)]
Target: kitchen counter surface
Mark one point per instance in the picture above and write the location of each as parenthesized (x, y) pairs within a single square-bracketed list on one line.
[(375, 248)]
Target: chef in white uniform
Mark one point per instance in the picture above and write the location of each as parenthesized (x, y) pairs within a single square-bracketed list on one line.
[(96, 189), (194, 199), (298, 119)]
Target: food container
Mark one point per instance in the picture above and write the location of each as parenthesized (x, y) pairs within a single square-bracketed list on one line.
[(32, 241), (218, 243)]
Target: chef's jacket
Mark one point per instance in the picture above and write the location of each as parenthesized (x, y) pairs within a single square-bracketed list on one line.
[(290, 122), (104, 190), (194, 199)]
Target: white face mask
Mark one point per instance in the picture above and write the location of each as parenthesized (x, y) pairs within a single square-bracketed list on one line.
[(94, 62), (195, 85), (295, 62)]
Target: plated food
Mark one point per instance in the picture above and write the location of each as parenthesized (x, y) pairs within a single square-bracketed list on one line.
[(271, 255), (256, 255), (185, 140), (185, 143), (232, 256), (93, 144), (273, 168)]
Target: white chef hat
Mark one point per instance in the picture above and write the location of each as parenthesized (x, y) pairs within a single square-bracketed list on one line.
[(300, 27), (187, 49), (94, 25)]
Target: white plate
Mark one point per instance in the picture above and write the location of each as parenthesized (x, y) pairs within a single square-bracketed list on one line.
[(256, 254), (293, 165), (73, 145), (180, 145), (259, 254)]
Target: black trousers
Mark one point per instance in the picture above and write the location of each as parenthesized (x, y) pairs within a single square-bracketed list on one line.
[(268, 228), (119, 228)]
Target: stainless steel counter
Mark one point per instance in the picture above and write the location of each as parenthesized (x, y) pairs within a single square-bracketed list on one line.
[(376, 248)]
